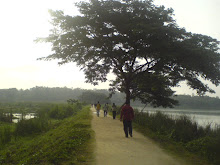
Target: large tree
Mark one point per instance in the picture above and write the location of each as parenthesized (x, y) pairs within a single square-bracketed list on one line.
[(140, 43)]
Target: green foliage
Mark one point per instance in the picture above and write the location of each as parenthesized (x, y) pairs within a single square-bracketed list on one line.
[(5, 134), (4, 117), (92, 97), (185, 101), (197, 102), (140, 43), (206, 147), (66, 143), (31, 126), (71, 101), (196, 139), (39, 94), (186, 130), (19, 107), (62, 111), (40, 124), (181, 129)]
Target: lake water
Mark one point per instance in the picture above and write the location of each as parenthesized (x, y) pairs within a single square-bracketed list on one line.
[(19, 116), (202, 117)]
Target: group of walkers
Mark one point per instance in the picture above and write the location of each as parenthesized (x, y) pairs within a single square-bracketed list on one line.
[(126, 115), (105, 109)]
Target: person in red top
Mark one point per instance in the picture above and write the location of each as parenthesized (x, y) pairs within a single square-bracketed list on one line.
[(127, 115)]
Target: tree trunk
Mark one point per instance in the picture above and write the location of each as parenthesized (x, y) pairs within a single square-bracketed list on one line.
[(127, 87), (128, 95)]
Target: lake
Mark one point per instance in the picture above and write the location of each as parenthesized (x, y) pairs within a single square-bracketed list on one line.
[(19, 116), (202, 117)]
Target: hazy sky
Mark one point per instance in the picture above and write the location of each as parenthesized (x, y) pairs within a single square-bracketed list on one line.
[(24, 20)]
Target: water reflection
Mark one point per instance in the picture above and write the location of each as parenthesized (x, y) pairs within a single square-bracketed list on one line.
[(18, 116), (202, 117)]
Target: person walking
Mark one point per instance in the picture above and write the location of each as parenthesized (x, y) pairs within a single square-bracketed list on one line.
[(98, 107), (114, 110), (106, 110), (127, 115)]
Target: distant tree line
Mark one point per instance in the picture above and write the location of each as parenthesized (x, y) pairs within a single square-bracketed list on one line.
[(58, 94), (38, 94), (198, 102)]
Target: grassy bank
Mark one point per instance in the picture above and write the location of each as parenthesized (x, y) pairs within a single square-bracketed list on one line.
[(68, 141), (45, 116), (181, 136)]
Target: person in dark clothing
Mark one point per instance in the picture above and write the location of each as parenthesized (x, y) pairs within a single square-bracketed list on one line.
[(105, 110), (127, 115), (114, 110)]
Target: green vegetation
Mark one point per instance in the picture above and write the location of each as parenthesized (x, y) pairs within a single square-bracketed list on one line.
[(92, 97), (48, 140), (55, 95), (62, 95), (44, 113), (39, 94), (5, 133), (183, 133), (31, 126), (198, 102)]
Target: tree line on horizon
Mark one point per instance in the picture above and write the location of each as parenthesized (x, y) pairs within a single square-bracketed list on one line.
[(62, 94)]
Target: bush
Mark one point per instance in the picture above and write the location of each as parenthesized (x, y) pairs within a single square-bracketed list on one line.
[(31, 126), (208, 147), (63, 111), (5, 135)]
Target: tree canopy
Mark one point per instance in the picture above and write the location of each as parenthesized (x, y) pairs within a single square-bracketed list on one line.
[(140, 43)]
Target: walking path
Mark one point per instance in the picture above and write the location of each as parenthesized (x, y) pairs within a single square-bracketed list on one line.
[(112, 148)]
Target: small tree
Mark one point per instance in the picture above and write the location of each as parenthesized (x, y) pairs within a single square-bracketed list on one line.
[(140, 44)]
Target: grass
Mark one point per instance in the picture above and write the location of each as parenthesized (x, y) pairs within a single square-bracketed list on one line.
[(31, 126), (69, 142), (42, 123), (172, 147), (6, 133), (181, 136)]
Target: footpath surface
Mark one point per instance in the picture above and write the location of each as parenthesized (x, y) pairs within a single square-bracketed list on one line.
[(112, 148)]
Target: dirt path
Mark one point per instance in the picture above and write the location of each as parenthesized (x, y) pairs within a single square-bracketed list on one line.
[(112, 148)]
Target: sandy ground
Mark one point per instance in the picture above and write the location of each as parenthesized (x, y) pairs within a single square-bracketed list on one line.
[(112, 148)]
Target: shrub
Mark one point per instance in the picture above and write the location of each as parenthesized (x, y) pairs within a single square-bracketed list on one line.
[(64, 111), (31, 126), (208, 147), (5, 135)]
